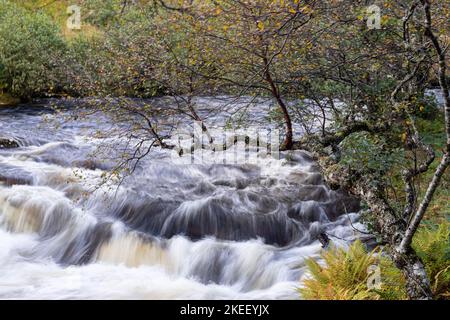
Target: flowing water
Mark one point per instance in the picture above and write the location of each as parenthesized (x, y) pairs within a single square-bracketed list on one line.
[(170, 231)]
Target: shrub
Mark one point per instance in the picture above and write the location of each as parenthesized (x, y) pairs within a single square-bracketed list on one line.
[(30, 45)]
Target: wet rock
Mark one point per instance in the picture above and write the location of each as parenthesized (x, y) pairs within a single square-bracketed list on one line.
[(10, 176), (218, 217), (308, 212), (306, 178), (8, 143), (313, 193)]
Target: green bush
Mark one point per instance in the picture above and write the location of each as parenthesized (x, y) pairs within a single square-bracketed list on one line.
[(30, 46), (105, 11), (365, 153), (118, 61)]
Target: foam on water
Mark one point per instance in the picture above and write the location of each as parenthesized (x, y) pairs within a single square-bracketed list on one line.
[(209, 230)]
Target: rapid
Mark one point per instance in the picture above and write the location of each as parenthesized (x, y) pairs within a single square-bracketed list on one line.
[(170, 231)]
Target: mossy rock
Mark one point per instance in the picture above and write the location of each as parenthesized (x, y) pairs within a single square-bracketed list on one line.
[(6, 100)]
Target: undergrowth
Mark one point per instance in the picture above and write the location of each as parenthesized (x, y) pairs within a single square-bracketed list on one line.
[(343, 274)]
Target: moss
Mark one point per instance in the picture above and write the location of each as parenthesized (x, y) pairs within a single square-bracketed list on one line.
[(8, 100)]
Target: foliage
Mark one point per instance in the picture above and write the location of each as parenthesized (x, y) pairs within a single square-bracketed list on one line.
[(433, 134), (102, 12), (433, 246), (426, 107), (363, 152), (30, 46), (343, 273)]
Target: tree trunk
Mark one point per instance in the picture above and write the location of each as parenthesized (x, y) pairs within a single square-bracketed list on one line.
[(389, 226), (392, 228), (288, 140), (417, 283)]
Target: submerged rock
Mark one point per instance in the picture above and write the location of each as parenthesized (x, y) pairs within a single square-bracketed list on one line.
[(11, 175), (7, 143)]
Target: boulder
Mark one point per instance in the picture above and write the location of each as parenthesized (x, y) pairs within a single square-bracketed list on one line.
[(7, 143)]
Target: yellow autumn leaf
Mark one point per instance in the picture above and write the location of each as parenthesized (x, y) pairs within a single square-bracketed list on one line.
[(404, 136), (306, 9), (260, 25)]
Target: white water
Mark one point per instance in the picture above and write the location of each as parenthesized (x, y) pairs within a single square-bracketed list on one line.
[(171, 231)]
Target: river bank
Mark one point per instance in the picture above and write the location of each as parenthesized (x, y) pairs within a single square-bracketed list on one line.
[(7, 101)]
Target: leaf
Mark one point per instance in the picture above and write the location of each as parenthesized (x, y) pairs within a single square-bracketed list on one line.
[(260, 26)]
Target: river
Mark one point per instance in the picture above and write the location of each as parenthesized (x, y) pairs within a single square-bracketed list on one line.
[(170, 231)]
